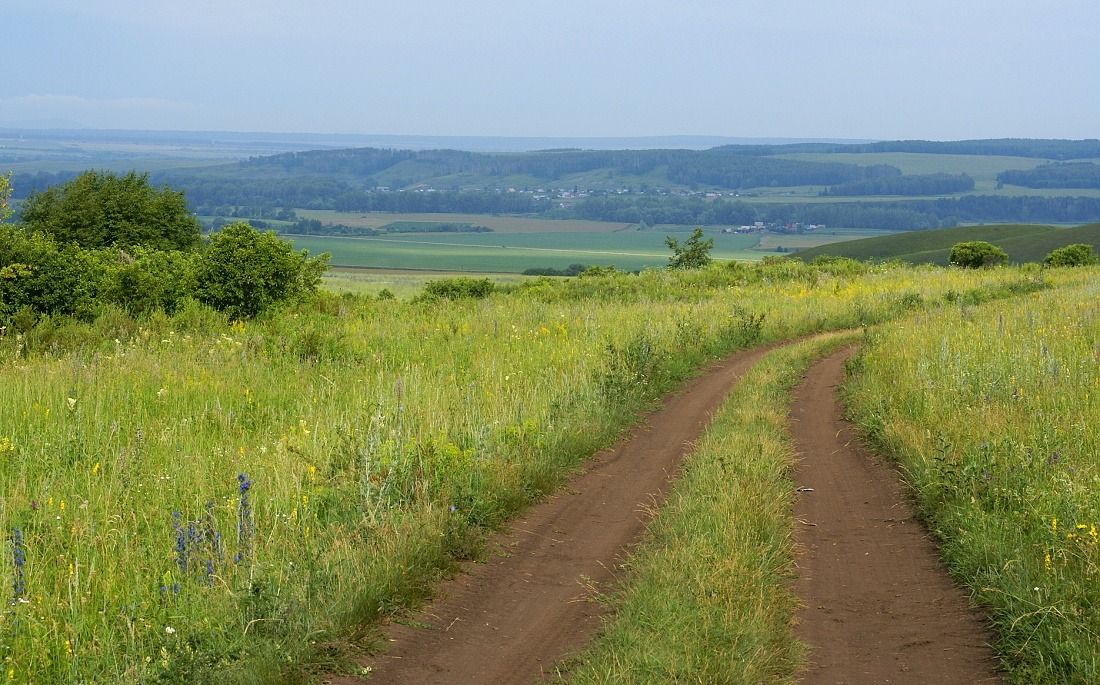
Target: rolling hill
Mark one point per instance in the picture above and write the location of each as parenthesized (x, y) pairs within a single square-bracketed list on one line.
[(1023, 243)]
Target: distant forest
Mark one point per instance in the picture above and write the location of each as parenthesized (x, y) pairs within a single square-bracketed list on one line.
[(404, 181), (1057, 175)]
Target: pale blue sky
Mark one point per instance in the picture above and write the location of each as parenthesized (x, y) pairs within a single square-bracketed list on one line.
[(931, 69)]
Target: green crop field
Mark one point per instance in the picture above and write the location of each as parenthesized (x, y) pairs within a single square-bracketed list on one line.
[(499, 224), (513, 252)]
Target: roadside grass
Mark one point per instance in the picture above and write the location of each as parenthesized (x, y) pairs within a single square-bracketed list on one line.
[(991, 412), (191, 500), (705, 598)]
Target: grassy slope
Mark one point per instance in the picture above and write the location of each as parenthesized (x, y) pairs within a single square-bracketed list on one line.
[(1023, 243)]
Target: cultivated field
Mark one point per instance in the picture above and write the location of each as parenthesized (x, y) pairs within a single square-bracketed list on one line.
[(514, 252)]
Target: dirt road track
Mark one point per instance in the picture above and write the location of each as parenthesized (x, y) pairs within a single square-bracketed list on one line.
[(510, 619), (878, 605)]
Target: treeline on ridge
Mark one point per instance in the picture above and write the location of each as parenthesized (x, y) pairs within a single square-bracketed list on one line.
[(1039, 148), (1054, 175), (716, 167), (899, 215)]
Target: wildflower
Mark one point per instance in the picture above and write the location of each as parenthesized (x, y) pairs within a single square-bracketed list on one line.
[(19, 561), (170, 630), (95, 469), (181, 542), (245, 527), (1047, 564)]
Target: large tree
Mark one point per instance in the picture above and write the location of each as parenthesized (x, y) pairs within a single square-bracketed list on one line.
[(100, 209)]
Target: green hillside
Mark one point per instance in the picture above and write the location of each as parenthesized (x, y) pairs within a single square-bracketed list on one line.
[(1023, 243)]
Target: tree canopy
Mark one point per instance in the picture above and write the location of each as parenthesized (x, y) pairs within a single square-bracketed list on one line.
[(977, 254), (100, 209), (694, 253), (5, 193)]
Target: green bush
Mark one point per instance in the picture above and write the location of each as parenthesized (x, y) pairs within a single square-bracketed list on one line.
[(39, 274), (149, 280), (693, 254), (245, 273), (977, 254), (1079, 254), (462, 288)]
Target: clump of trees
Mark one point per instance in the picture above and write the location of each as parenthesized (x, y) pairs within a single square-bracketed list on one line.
[(102, 239), (977, 254), (459, 288), (100, 209)]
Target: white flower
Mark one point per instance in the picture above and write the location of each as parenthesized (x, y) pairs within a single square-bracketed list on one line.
[(170, 630)]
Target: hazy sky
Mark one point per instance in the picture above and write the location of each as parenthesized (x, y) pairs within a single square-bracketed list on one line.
[(932, 69)]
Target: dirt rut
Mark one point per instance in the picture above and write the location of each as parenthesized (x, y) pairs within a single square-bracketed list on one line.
[(511, 619), (878, 604)]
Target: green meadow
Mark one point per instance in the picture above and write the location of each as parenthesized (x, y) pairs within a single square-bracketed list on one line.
[(192, 500)]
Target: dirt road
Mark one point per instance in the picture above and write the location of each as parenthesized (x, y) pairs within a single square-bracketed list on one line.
[(878, 605), (511, 619)]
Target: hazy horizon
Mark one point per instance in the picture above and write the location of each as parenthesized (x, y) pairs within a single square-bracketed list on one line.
[(794, 69)]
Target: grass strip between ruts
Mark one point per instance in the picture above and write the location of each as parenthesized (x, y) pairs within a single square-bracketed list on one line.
[(705, 599)]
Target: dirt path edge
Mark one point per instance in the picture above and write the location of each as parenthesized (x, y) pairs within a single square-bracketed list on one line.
[(878, 605), (512, 618)]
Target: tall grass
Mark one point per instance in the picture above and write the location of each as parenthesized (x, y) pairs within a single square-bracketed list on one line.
[(189, 500), (706, 597), (992, 413)]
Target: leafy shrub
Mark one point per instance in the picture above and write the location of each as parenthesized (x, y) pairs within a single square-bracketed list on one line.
[(1079, 254), (38, 273), (149, 280), (462, 288), (245, 273)]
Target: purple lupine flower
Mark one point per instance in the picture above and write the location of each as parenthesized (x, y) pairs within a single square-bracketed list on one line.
[(245, 528), (19, 561)]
